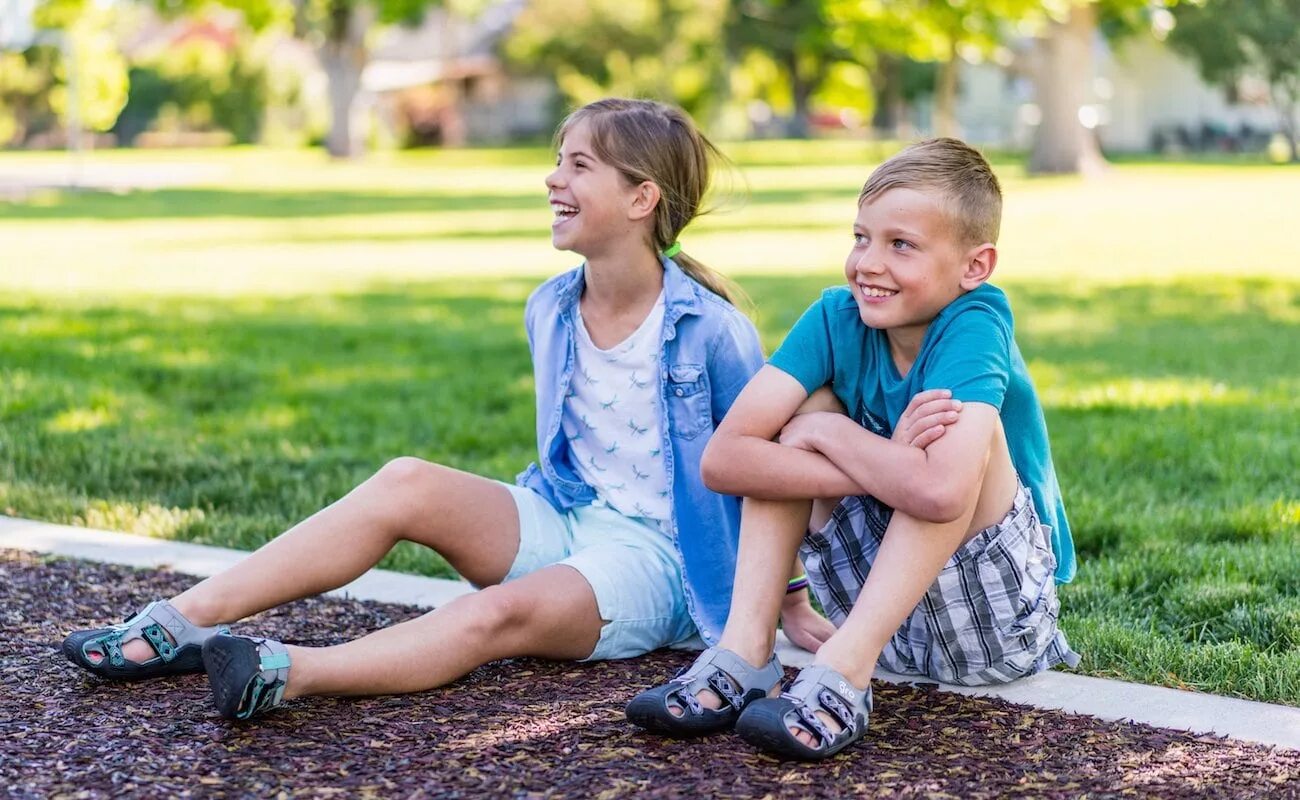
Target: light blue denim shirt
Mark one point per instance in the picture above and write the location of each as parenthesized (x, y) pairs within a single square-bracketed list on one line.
[(710, 351)]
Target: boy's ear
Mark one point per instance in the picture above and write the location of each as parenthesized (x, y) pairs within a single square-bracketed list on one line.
[(979, 265), (644, 201)]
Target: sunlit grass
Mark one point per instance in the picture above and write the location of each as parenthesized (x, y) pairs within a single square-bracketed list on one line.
[(212, 363)]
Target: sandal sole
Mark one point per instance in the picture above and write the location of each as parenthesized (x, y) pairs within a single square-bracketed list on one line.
[(648, 712), (230, 663), (764, 728), (188, 660)]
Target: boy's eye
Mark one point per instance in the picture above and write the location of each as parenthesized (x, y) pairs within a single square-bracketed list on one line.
[(901, 244), (859, 239)]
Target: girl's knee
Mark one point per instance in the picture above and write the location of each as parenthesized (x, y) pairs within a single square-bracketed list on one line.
[(405, 472), (500, 612)]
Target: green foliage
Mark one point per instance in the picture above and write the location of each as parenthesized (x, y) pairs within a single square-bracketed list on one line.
[(666, 49), (1231, 39), (25, 82)]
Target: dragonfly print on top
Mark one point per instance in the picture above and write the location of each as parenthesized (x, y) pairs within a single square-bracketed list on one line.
[(611, 419)]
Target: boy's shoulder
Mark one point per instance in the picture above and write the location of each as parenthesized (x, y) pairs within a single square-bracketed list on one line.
[(985, 302)]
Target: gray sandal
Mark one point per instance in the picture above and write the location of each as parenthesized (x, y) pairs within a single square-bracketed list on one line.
[(247, 675), (717, 670), (766, 724), (100, 650)]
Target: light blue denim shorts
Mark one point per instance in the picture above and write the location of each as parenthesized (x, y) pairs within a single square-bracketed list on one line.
[(630, 563)]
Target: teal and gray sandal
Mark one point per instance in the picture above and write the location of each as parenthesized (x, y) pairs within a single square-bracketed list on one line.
[(100, 650), (674, 709), (766, 724), (247, 674)]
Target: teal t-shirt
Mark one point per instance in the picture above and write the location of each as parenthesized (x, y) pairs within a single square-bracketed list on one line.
[(969, 348)]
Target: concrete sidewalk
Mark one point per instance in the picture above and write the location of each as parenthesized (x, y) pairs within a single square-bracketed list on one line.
[(1244, 720)]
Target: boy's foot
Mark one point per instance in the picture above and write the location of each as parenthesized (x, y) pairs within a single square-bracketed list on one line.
[(157, 641), (818, 716), (680, 707), (247, 675)]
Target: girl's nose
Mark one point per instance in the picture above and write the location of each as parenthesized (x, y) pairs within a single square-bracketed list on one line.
[(553, 180)]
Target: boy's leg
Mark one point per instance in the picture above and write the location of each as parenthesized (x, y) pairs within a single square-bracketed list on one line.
[(471, 521), (550, 613), (909, 560)]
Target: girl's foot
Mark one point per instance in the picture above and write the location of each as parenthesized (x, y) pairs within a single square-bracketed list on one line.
[(247, 675), (157, 641), (678, 708)]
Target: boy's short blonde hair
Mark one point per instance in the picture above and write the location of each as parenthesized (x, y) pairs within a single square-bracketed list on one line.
[(956, 171)]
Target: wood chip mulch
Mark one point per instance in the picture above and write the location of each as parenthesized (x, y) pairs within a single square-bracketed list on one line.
[(522, 728)]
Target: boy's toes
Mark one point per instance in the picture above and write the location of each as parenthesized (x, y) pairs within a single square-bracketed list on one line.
[(707, 697)]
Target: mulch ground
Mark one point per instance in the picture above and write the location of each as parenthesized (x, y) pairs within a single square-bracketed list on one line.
[(521, 728)]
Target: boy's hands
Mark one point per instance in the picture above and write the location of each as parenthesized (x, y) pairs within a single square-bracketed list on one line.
[(923, 422), (925, 418), (803, 626)]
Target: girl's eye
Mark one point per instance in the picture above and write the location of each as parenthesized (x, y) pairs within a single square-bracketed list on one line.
[(901, 244), (580, 164)]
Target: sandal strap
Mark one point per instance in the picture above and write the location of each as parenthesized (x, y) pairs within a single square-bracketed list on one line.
[(153, 624), (820, 688), (265, 690), (728, 675)]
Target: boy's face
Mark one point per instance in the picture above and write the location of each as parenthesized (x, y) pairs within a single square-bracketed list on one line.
[(907, 262)]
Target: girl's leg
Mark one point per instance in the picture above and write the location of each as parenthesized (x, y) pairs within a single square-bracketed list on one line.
[(551, 613), (469, 520)]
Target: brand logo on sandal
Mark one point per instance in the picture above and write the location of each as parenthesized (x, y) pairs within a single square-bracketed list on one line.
[(847, 691)]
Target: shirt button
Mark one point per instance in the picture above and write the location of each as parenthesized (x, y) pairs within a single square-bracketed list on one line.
[(679, 392), (706, 632)]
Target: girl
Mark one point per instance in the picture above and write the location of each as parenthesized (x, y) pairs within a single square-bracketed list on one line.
[(608, 546)]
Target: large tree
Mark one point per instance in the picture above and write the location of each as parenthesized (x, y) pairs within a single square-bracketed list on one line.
[(1062, 72), (798, 37), (661, 48), (339, 30), (1229, 40)]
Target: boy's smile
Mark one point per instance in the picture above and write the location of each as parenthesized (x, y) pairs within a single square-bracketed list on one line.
[(906, 263)]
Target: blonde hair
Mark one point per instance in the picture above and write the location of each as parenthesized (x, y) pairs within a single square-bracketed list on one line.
[(955, 170), (650, 141)]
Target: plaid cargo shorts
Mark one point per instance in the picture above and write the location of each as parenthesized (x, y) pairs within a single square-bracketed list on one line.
[(990, 616)]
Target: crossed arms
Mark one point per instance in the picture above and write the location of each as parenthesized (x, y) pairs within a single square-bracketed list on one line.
[(931, 469)]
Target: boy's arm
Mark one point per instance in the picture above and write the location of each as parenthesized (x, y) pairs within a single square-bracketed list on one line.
[(742, 458), (935, 484)]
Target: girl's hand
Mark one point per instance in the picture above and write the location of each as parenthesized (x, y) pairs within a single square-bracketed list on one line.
[(926, 418), (803, 626)]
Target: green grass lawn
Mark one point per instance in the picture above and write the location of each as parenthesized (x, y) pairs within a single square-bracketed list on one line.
[(213, 363)]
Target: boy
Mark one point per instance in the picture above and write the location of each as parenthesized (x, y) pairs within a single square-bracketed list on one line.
[(935, 557)]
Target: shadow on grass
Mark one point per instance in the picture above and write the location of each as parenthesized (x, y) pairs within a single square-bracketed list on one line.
[(1171, 408), (229, 203)]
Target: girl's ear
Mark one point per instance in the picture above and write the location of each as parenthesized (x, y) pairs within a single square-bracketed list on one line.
[(980, 262), (644, 200)]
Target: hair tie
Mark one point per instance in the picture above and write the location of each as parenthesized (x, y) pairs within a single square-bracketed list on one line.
[(673, 250)]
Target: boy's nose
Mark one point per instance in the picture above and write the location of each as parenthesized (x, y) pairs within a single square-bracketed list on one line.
[(867, 262)]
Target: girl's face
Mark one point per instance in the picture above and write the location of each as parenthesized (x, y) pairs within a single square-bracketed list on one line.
[(591, 201)]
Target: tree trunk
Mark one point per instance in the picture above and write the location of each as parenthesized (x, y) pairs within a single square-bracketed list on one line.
[(1284, 100), (945, 96), (885, 80), (343, 55), (802, 95), (1061, 87)]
